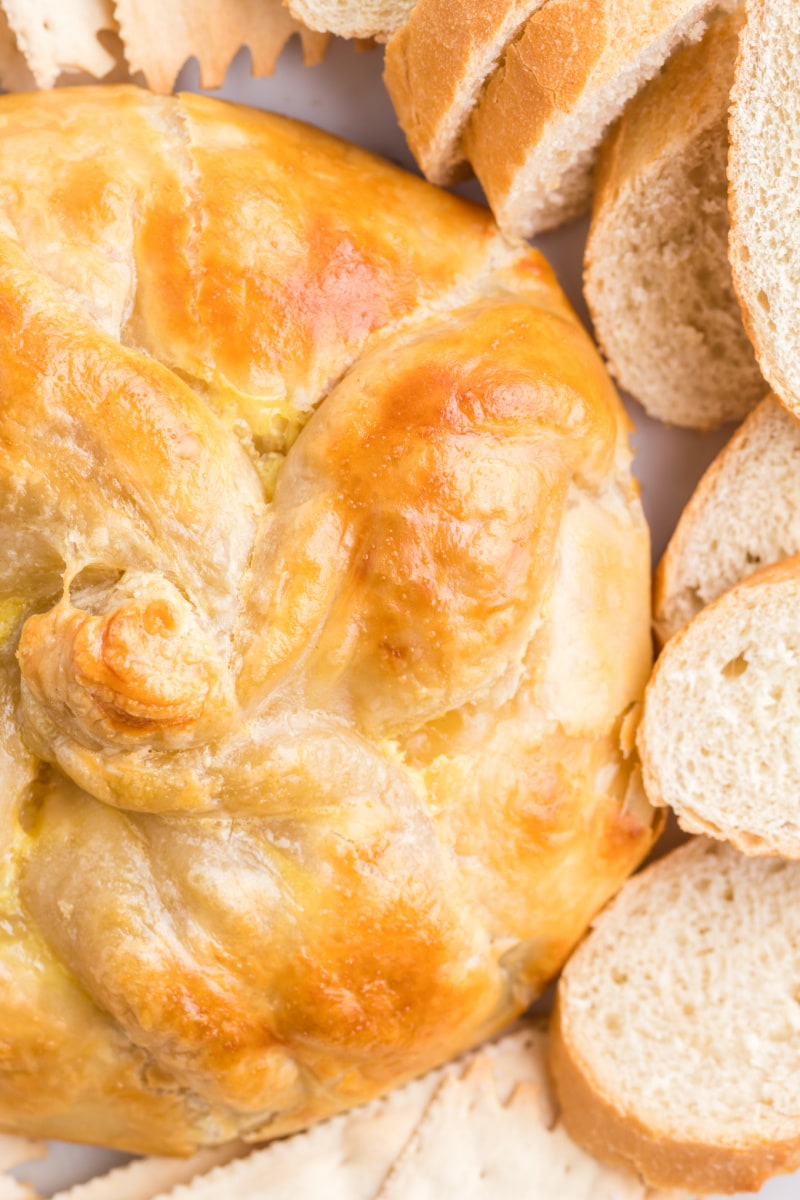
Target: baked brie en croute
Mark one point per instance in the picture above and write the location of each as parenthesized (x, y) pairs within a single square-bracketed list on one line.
[(325, 615)]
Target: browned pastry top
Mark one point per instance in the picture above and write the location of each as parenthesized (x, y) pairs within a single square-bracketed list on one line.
[(323, 609)]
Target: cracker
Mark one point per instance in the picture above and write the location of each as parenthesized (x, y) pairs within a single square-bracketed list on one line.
[(159, 38), (345, 1158), (15, 75), (12, 1189), (472, 1145), (56, 37), (144, 1178), (15, 1150)]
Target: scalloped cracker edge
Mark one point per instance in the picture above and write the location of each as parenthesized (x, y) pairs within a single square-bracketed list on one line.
[(55, 37), (160, 38), (144, 1178), (473, 1145), (12, 1189), (485, 1126)]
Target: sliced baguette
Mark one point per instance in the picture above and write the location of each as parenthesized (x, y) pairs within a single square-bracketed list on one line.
[(12, 1189), (437, 64), (744, 514), (353, 18), (657, 277), (534, 136), (764, 171), (676, 1034), (718, 738)]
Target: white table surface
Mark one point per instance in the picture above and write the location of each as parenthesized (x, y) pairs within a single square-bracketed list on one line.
[(345, 95)]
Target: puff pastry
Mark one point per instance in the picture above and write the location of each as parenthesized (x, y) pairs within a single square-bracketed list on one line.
[(324, 606)]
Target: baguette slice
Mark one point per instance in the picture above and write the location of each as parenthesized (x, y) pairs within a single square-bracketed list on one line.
[(764, 170), (534, 136), (676, 1034), (744, 514), (719, 737), (437, 64), (353, 18), (657, 277)]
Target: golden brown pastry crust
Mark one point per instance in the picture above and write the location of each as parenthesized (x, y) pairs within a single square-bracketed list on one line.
[(324, 604)]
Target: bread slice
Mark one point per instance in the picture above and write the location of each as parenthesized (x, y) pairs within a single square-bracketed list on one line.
[(718, 738), (353, 18), (437, 64), (744, 514), (657, 277), (534, 136), (764, 169), (676, 1034)]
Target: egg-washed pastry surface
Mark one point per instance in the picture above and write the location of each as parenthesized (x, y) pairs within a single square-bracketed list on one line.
[(324, 594)]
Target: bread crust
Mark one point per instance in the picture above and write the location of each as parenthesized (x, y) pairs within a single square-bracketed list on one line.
[(675, 124), (598, 1121), (569, 48), (595, 1122), (746, 260), (674, 108), (674, 572), (324, 602), (436, 66), (750, 841), (363, 22)]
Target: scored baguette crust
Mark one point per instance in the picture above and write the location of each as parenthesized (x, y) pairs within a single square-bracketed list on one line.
[(743, 515), (534, 136), (436, 65), (722, 763), (765, 221), (600, 1112), (657, 277)]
